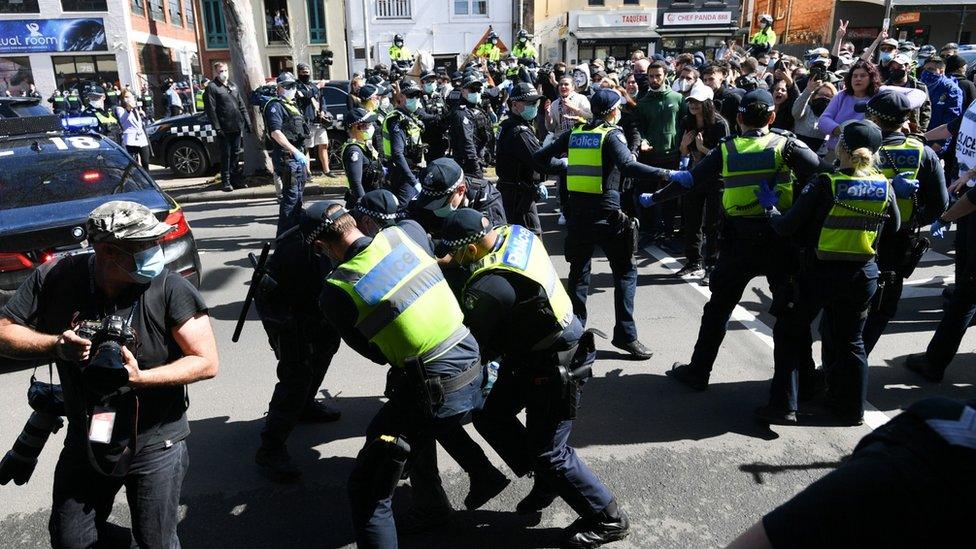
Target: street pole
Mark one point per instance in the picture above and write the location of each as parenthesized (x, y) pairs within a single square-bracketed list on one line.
[(887, 18), (189, 75), (366, 32)]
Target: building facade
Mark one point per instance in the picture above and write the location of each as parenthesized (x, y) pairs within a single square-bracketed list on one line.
[(935, 22), (580, 30), (449, 29), (288, 32)]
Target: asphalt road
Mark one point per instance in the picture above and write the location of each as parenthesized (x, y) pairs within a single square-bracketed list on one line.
[(691, 469)]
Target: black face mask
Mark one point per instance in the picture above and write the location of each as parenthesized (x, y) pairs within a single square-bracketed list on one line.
[(818, 105), (306, 78), (897, 75), (559, 74)]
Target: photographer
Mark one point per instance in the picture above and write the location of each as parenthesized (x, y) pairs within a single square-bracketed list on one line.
[(140, 426)]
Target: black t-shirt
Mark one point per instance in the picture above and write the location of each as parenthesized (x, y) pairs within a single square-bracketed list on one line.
[(58, 292)]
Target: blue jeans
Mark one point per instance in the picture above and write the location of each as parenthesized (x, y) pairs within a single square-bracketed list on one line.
[(83, 499), (956, 318), (294, 176), (580, 244), (230, 143)]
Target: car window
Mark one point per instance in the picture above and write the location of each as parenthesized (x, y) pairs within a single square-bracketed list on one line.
[(334, 97), (31, 110), (58, 169)]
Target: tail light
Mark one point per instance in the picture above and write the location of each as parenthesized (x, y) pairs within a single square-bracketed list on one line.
[(178, 220), (13, 261), (91, 176)]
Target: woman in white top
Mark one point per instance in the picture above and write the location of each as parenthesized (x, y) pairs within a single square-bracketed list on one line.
[(133, 121)]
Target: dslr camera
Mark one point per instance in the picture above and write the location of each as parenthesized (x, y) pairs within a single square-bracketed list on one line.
[(48, 403), (104, 373)]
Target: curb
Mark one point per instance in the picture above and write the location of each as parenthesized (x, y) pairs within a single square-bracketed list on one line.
[(265, 191)]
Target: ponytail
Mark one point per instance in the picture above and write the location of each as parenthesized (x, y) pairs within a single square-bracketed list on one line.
[(862, 160)]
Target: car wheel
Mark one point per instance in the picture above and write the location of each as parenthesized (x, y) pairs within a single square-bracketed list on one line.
[(187, 159)]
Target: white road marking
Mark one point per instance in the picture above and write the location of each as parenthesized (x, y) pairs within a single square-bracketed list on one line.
[(873, 417)]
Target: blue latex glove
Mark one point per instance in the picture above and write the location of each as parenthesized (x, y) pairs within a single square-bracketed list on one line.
[(939, 228), (300, 157), (542, 193), (683, 178), (646, 199), (767, 197), (904, 187)]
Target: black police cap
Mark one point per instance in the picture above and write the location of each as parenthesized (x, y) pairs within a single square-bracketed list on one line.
[(887, 105), (759, 98), (463, 226), (523, 91), (358, 116), (380, 205), (861, 134), (367, 91), (410, 88)]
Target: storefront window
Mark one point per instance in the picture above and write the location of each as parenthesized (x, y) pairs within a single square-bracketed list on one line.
[(592, 49), (83, 5), (276, 21), (19, 6), (72, 71), (15, 75)]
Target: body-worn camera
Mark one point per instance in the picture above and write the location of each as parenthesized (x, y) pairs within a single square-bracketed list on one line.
[(105, 372)]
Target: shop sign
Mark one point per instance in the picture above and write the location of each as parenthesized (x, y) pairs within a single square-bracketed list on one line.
[(52, 35), (604, 20), (697, 18), (908, 17)]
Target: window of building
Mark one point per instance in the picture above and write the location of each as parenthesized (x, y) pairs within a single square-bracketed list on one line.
[(175, 17), (631, 2), (19, 6), (83, 5), (276, 21), (188, 13), (138, 7), (280, 64), (316, 22), (595, 2), (470, 7), (393, 9), (71, 71), (156, 10), (15, 75), (214, 29)]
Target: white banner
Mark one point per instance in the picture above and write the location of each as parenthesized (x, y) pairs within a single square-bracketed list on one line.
[(697, 18), (614, 19)]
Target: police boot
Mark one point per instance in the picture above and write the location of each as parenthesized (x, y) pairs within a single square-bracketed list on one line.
[(608, 525), (540, 497), (317, 411), (919, 363), (484, 488), (692, 376), (275, 464)]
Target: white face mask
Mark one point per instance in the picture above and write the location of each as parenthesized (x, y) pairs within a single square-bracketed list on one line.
[(222, 76), (684, 85), (385, 103), (368, 132), (289, 94), (97, 103)]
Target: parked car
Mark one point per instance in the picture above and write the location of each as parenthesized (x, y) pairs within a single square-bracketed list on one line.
[(186, 144), (21, 107)]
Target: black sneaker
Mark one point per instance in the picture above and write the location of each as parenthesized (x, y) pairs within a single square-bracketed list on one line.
[(920, 364), (276, 465), (318, 411), (689, 375), (484, 489), (540, 497), (227, 187), (691, 269), (775, 416), (634, 348), (597, 530)]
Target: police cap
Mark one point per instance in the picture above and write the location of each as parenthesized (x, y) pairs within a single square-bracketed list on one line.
[(463, 226), (409, 88), (285, 79), (379, 204), (472, 81), (358, 116), (427, 75), (861, 133), (604, 101), (367, 91), (525, 92), (314, 220), (888, 105), (759, 98)]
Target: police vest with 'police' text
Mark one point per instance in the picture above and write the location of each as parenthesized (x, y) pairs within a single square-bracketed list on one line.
[(749, 161), (851, 227)]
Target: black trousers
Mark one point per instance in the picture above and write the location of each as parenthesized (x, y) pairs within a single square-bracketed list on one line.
[(520, 208), (139, 153), (701, 215)]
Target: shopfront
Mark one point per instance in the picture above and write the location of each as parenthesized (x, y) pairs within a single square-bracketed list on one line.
[(610, 33), (691, 31)]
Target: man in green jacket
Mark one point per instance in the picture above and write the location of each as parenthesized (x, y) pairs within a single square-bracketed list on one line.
[(658, 110)]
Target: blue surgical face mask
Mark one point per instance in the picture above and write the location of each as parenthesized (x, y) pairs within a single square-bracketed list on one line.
[(413, 104), (149, 264), (885, 56), (474, 98), (429, 87), (928, 77), (530, 111)]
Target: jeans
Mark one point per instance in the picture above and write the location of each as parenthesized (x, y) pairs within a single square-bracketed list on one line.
[(580, 244), (955, 320), (83, 499), (230, 143), (294, 176)]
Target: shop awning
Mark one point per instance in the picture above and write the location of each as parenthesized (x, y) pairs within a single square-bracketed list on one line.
[(697, 30), (623, 34)]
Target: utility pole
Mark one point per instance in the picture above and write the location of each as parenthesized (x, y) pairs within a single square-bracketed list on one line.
[(366, 33)]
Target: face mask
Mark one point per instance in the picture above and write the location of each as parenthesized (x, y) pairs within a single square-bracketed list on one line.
[(305, 78), (897, 75), (367, 134), (529, 112), (385, 103), (289, 94), (885, 56), (149, 264), (428, 88), (521, 40), (492, 41), (684, 85), (818, 105), (222, 76), (928, 77), (413, 104), (474, 98), (398, 43), (97, 103)]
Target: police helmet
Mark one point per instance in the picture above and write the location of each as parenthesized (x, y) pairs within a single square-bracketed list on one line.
[(522, 34), (285, 79), (766, 18)]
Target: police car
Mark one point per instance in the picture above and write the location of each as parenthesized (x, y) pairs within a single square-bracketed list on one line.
[(53, 172), (186, 144), (17, 107)]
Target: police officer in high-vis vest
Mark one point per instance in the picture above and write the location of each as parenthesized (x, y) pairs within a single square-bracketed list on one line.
[(59, 103), (399, 54), (837, 221), (489, 48), (598, 160), (198, 96), (523, 49), (403, 146), (364, 170), (918, 180), (436, 377), (108, 125), (287, 131), (518, 310), (74, 101), (748, 246), (765, 38)]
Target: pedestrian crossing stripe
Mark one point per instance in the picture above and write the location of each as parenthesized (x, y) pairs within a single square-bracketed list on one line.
[(204, 131)]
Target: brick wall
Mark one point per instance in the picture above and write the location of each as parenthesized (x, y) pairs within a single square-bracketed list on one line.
[(809, 20)]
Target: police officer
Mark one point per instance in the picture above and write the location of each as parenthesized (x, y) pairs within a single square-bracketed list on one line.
[(598, 159), (148, 103), (470, 128), (519, 179), (403, 147), (369, 98), (399, 54), (288, 130), (918, 180), (74, 101), (59, 103), (198, 95), (378, 209), (748, 246), (434, 115), (838, 220), (765, 38), (108, 125), (111, 96), (303, 342), (524, 50), (489, 48), (364, 170), (436, 375), (446, 188)]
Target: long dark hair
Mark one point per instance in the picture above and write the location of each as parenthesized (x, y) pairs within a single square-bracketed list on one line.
[(874, 77), (708, 113)]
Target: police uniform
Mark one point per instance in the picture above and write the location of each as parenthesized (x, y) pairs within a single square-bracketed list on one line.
[(524, 49), (598, 158), (522, 316), (764, 39), (430, 352), (198, 99), (403, 148), (488, 49), (898, 255), (519, 177), (304, 343), (469, 130), (837, 220), (59, 103), (441, 180), (434, 115), (108, 125), (366, 92), (111, 98), (748, 245), (364, 170), (283, 115), (148, 105), (399, 54), (74, 102)]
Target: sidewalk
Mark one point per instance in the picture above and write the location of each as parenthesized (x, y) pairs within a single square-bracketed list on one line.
[(190, 190)]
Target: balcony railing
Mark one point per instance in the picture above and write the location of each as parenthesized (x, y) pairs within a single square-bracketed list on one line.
[(393, 9)]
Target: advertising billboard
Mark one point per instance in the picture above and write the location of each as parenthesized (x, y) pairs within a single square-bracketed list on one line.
[(52, 35)]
